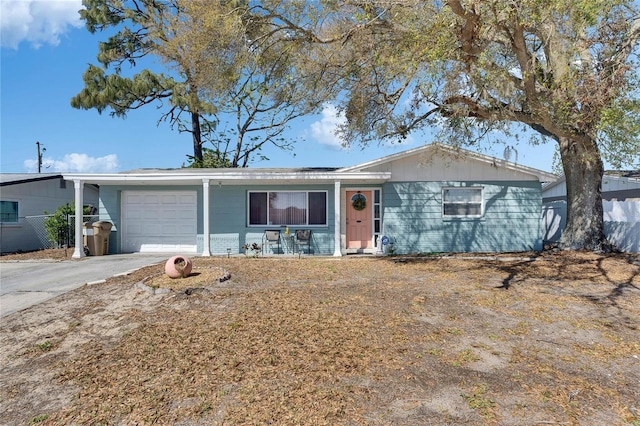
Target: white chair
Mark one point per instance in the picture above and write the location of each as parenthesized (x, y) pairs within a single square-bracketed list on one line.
[(271, 238)]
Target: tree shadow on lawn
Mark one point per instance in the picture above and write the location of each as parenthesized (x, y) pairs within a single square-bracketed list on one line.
[(620, 285), (609, 281)]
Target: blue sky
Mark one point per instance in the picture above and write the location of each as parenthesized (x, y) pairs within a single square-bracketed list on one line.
[(46, 49)]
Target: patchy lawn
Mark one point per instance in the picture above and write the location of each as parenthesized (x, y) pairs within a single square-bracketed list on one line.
[(44, 254), (355, 340)]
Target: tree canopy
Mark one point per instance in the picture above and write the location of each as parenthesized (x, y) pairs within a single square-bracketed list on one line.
[(220, 61), (140, 27), (210, 160), (474, 69), (566, 69)]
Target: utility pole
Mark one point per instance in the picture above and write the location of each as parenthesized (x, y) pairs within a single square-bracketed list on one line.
[(40, 156)]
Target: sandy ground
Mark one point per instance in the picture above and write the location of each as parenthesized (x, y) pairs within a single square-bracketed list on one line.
[(547, 339)]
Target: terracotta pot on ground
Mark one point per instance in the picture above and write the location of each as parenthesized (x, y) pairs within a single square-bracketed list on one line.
[(178, 267)]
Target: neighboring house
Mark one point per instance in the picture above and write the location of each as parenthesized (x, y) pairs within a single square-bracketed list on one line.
[(620, 204), (429, 199), (24, 195)]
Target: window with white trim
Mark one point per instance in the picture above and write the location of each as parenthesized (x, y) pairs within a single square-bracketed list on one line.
[(290, 208), (462, 202), (9, 211)]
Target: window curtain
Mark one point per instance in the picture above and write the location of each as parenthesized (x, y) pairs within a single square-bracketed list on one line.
[(287, 208)]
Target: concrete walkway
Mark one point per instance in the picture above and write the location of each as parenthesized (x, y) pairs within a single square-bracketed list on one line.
[(27, 283)]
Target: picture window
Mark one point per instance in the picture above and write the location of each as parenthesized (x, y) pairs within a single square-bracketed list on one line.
[(288, 208), (462, 202)]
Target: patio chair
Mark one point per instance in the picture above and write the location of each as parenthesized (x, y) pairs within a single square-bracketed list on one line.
[(271, 238), (303, 238)]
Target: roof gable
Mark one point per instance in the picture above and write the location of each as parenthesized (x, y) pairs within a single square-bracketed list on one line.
[(438, 162)]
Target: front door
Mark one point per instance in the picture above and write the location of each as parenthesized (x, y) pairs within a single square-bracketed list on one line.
[(359, 229)]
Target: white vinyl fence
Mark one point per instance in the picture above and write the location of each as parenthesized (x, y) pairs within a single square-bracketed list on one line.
[(621, 223)]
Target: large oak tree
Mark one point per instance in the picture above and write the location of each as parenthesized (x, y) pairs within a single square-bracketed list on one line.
[(566, 69)]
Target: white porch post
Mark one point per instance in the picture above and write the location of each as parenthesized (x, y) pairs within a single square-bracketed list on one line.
[(206, 250), (337, 250), (78, 250)]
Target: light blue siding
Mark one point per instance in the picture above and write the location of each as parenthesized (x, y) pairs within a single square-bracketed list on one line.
[(109, 210), (228, 217), (412, 218), (228, 220)]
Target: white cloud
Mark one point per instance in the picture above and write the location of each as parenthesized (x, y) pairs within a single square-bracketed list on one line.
[(75, 163), (324, 130), (37, 21)]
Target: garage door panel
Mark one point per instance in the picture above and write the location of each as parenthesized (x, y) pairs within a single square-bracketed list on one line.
[(149, 230), (170, 230), (133, 199), (165, 248), (159, 221), (136, 214), (169, 199), (186, 230), (183, 214), (169, 214), (132, 228)]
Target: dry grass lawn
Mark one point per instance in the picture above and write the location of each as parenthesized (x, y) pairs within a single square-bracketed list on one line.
[(322, 341)]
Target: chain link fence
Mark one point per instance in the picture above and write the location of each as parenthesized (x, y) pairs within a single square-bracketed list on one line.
[(37, 224), (66, 233)]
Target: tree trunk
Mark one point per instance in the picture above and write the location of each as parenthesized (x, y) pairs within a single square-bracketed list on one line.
[(197, 137), (235, 162), (583, 170)]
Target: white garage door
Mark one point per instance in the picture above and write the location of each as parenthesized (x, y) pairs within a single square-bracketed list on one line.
[(159, 221)]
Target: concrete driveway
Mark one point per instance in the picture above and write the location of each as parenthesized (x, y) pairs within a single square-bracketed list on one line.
[(27, 283)]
